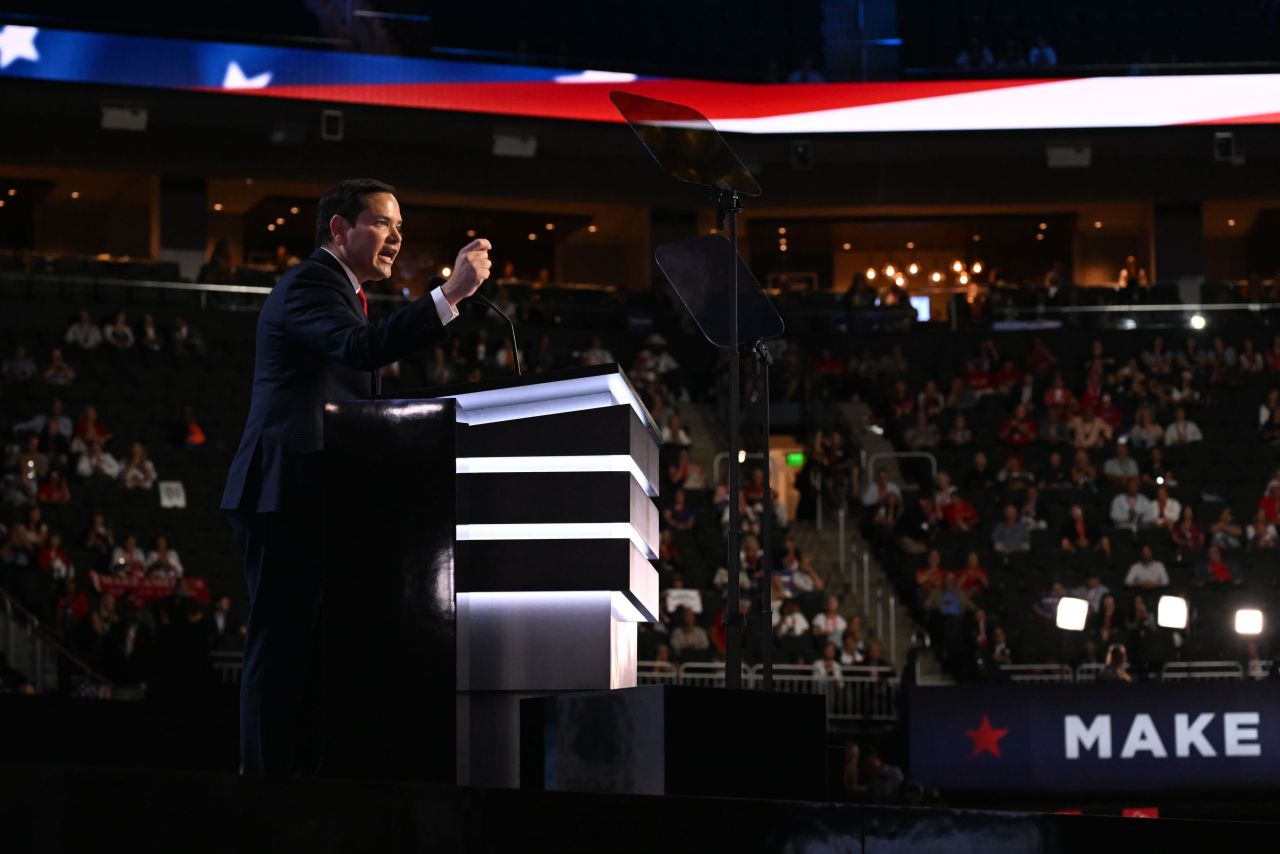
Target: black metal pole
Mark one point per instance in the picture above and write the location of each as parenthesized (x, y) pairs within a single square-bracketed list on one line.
[(763, 360), (732, 615)]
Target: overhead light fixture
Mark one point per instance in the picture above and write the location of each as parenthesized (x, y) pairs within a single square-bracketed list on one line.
[(551, 226), (890, 270), (75, 194), (1044, 226), (533, 236), (1097, 223), (957, 266), (782, 230), (913, 269), (271, 226), (964, 278), (846, 246), (1040, 235), (592, 229), (279, 220), (294, 210), (1231, 223), (471, 232), (1171, 612), (977, 266), (1073, 613), (12, 192), (782, 247), (742, 456), (871, 274), (911, 244), (217, 206), (1198, 322), (446, 272), (977, 238), (937, 277), (1248, 621), (900, 281)]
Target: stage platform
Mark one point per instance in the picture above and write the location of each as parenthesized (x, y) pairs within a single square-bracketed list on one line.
[(60, 808)]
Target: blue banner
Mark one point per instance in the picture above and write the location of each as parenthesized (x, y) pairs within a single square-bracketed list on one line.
[(1096, 738)]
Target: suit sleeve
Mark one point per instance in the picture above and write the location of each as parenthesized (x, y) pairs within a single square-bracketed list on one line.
[(318, 315)]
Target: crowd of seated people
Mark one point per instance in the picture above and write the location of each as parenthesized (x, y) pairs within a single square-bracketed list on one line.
[(1093, 480), (124, 602)]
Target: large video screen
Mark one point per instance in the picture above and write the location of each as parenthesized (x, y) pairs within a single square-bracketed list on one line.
[(582, 95)]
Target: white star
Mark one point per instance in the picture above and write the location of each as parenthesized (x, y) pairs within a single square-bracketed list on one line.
[(235, 78), (18, 43)]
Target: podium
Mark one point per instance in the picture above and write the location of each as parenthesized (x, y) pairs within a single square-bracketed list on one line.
[(483, 544)]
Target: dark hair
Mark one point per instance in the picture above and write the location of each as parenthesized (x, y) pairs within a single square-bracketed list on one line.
[(346, 199)]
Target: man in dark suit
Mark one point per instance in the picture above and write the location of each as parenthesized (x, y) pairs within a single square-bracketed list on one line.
[(315, 343)]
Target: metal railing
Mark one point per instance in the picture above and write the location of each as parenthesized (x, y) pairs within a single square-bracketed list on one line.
[(40, 656), (1215, 670), (1038, 672), (859, 693)]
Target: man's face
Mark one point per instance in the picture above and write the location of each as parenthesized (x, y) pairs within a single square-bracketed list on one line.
[(370, 245)]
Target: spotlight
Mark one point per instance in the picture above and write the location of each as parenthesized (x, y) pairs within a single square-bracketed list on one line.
[(551, 226), (1171, 612), (75, 194), (900, 281), (846, 246), (742, 456), (782, 230), (1198, 322), (446, 272), (911, 244), (782, 248), (471, 232), (1097, 223), (977, 266), (533, 236), (913, 269), (977, 238), (1044, 226), (1248, 621), (592, 229), (12, 192), (1231, 223), (871, 274), (217, 206), (937, 277), (964, 278), (1039, 235), (294, 210), (271, 226), (279, 220), (890, 270), (957, 266), (1072, 613)]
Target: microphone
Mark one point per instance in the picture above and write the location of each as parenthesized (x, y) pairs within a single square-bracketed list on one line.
[(515, 350)]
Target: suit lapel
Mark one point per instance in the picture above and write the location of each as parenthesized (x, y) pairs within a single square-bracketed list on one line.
[(330, 263)]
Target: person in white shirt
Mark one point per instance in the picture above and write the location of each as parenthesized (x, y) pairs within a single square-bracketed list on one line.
[(83, 333), (164, 560), (789, 622), (1260, 532), (117, 333), (1130, 508), (829, 623), (827, 668), (675, 434), (95, 462), (1165, 511), (1182, 431), (1148, 573)]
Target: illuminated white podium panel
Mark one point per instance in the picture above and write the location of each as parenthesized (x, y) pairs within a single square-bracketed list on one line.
[(556, 527)]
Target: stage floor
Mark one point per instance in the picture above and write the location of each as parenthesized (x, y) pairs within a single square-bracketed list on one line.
[(59, 808)]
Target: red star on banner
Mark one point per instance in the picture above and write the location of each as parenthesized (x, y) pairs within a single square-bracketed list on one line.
[(986, 738)]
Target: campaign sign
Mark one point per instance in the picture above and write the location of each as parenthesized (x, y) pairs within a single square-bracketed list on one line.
[(1103, 737)]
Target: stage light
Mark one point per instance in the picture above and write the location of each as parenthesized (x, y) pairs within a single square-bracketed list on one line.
[(782, 248), (964, 278), (742, 456), (957, 266), (1231, 223), (846, 246), (913, 269), (1, 203), (890, 270), (471, 232), (977, 238), (446, 272), (1073, 613), (871, 274), (75, 194), (217, 206), (937, 277), (782, 230), (911, 244), (279, 220), (977, 266), (1171, 612), (271, 226), (1039, 236), (592, 229), (294, 210), (533, 236), (1097, 223), (1044, 226), (1248, 621), (551, 226), (899, 280), (12, 192), (1198, 322)]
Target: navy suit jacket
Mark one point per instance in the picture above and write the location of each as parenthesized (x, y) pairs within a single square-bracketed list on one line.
[(313, 345)]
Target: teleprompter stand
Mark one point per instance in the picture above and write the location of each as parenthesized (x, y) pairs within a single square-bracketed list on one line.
[(727, 303)]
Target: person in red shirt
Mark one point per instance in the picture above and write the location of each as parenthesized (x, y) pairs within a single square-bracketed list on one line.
[(959, 514), (1019, 430), (54, 490), (1216, 570), (976, 377), (973, 579), (1109, 412), (1270, 503), (1058, 396), (930, 576)]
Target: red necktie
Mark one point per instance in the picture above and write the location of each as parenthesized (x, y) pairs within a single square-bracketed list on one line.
[(364, 301)]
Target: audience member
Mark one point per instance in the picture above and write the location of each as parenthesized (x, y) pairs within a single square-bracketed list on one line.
[(1147, 573), (84, 333), (139, 472), (118, 333)]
